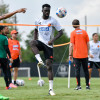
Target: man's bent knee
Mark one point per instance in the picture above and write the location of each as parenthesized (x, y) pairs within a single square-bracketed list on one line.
[(49, 64), (33, 43)]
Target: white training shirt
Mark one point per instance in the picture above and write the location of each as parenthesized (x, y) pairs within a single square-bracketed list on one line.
[(95, 51), (46, 33)]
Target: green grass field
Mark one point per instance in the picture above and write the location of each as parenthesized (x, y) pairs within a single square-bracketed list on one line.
[(33, 92)]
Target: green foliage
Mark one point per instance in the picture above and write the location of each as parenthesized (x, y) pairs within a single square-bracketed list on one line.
[(61, 51), (4, 9), (63, 39), (99, 36), (27, 54)]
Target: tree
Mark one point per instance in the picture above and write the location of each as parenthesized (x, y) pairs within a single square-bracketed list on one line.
[(27, 54), (61, 51), (99, 36), (4, 9)]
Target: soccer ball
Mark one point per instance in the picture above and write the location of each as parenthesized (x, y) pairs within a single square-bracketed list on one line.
[(20, 82), (61, 12), (40, 82)]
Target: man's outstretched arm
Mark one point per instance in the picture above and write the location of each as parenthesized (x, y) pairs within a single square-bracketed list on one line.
[(22, 10)]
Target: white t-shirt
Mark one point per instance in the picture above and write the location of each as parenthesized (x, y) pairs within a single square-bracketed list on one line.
[(95, 51), (46, 33)]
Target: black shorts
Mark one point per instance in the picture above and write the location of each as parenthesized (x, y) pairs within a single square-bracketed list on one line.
[(91, 64), (16, 63), (48, 52)]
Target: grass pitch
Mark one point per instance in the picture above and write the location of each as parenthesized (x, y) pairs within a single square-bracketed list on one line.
[(33, 92)]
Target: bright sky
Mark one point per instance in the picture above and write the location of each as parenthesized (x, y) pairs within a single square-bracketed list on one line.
[(76, 9)]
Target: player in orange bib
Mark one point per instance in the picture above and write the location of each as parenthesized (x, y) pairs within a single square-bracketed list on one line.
[(79, 46), (15, 51)]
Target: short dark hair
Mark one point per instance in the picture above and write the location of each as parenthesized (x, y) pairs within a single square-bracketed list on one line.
[(5, 26), (46, 5), (1, 28), (94, 34), (75, 22)]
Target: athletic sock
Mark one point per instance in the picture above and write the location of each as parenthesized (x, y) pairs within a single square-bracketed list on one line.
[(14, 82), (38, 57), (51, 84)]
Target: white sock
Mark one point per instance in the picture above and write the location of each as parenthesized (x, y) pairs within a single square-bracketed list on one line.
[(50, 84), (89, 80), (37, 56)]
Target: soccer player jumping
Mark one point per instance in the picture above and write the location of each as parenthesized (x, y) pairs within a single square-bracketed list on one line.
[(44, 39)]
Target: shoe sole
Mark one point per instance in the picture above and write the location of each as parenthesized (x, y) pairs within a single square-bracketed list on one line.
[(51, 95), (77, 89), (40, 65)]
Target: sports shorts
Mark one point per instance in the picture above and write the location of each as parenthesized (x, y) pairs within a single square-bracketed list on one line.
[(95, 64), (16, 63), (48, 52)]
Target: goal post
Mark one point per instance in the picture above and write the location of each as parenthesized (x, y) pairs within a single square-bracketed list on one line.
[(23, 72)]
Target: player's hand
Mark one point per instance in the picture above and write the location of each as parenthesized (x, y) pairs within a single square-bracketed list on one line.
[(50, 43), (11, 60), (71, 58), (20, 60), (21, 10), (91, 56)]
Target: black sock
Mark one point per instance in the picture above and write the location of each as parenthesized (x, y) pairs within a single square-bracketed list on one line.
[(9, 76), (14, 82)]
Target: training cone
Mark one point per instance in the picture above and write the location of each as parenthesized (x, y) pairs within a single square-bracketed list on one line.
[(29, 79)]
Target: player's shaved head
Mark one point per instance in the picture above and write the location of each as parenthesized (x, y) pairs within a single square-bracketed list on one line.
[(75, 22)]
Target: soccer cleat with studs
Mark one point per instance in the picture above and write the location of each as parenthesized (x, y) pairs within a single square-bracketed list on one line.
[(88, 87), (51, 92), (7, 88), (78, 88), (41, 64), (12, 85)]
